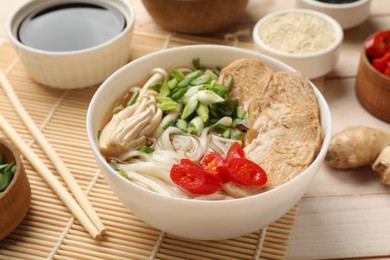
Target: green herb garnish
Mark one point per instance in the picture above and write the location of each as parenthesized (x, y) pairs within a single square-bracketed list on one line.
[(146, 149), (7, 172)]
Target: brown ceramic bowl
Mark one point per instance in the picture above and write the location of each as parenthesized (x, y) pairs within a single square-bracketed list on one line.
[(15, 200), (195, 16), (373, 89)]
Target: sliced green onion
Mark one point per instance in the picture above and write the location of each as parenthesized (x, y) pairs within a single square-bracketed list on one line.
[(228, 107), (241, 114), (5, 179), (164, 90), (189, 77), (214, 111), (206, 77), (197, 100), (13, 168), (114, 166), (169, 123), (133, 98), (146, 149), (169, 105), (217, 88), (161, 100), (9, 167), (190, 107), (196, 126), (226, 121), (228, 81), (226, 133), (218, 128), (208, 97), (196, 63), (191, 91), (166, 103), (202, 79), (203, 112), (172, 83), (236, 134), (123, 174), (177, 75), (6, 174), (155, 86), (182, 124), (178, 93)]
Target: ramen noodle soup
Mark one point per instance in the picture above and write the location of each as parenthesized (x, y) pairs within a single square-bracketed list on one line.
[(210, 133)]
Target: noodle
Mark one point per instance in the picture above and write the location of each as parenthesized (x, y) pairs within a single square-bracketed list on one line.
[(152, 185), (144, 123)]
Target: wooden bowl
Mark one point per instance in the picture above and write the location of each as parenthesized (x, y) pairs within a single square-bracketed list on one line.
[(195, 16), (15, 200), (373, 89)]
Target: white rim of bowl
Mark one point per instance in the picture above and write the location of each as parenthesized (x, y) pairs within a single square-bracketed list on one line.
[(26, 8), (335, 6), (321, 153), (336, 26)]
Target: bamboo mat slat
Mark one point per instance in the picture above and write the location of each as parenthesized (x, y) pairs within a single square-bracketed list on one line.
[(50, 232)]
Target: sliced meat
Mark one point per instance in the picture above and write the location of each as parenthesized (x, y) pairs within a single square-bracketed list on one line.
[(249, 76), (285, 132)]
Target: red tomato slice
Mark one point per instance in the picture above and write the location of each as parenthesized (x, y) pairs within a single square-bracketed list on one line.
[(246, 172), (381, 63), (370, 47), (387, 71), (194, 179), (378, 45), (235, 151), (211, 160), (215, 163), (382, 42), (190, 164), (222, 171)]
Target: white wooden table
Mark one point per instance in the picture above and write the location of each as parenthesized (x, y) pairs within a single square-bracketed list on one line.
[(345, 214)]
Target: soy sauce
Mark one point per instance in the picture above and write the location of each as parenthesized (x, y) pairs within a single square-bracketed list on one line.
[(70, 27)]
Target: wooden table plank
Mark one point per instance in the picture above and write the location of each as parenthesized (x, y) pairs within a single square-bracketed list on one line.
[(341, 227)]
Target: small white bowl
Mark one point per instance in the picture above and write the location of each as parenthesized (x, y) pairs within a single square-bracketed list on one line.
[(75, 68), (348, 15), (312, 65), (197, 219)]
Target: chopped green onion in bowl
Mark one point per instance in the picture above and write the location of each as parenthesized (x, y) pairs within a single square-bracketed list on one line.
[(196, 100)]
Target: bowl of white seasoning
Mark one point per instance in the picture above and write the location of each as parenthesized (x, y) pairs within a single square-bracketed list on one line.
[(307, 40)]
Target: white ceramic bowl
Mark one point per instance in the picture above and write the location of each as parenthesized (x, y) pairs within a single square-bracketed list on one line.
[(78, 68), (312, 65), (348, 15), (195, 219)]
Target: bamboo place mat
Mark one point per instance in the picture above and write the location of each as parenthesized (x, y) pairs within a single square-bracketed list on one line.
[(50, 232)]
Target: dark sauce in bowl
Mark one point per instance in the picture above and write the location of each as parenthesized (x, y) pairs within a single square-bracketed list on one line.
[(70, 27), (337, 1)]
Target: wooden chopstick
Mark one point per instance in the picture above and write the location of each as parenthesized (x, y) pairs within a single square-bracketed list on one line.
[(52, 155)]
